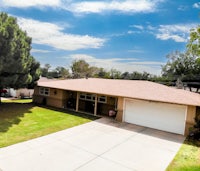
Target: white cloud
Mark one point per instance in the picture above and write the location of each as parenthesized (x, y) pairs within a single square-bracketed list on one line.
[(122, 64), (120, 6), (53, 35), (31, 3), (40, 51), (140, 27), (196, 5), (126, 6), (136, 49), (166, 36), (176, 32)]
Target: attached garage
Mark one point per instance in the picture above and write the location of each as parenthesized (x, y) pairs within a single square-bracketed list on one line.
[(157, 115)]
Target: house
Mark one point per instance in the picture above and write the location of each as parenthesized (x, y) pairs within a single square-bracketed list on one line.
[(143, 103), (22, 92)]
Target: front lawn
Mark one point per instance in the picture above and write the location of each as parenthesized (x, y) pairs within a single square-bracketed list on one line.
[(187, 158), (21, 120)]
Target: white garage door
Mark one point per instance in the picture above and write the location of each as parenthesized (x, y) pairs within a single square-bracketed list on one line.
[(162, 116)]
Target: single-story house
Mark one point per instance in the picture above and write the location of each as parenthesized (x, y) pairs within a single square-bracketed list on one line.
[(143, 103)]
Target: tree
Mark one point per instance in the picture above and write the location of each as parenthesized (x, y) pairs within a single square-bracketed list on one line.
[(125, 75), (45, 70), (193, 46), (115, 74), (62, 72), (179, 65), (80, 68), (102, 73), (34, 72), (17, 67)]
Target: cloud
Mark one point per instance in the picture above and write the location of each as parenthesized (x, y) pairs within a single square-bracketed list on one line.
[(121, 64), (136, 49), (176, 32), (166, 36), (31, 3), (182, 8), (133, 32), (127, 6), (140, 27), (135, 6), (196, 5), (53, 35), (40, 51)]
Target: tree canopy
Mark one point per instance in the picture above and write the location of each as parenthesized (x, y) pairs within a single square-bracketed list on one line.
[(193, 47), (17, 67), (185, 65)]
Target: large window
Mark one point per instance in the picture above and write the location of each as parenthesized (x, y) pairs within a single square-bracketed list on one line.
[(91, 97), (44, 91)]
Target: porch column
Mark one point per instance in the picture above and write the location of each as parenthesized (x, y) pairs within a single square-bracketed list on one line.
[(77, 101), (95, 105)]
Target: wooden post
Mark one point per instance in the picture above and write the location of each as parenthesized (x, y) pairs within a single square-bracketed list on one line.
[(95, 105), (77, 101)]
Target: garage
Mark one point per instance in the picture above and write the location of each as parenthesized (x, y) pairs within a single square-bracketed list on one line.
[(157, 115)]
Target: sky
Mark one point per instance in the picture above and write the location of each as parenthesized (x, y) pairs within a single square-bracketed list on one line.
[(127, 35)]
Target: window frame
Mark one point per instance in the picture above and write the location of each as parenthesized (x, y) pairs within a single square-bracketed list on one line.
[(102, 97), (91, 97), (44, 91)]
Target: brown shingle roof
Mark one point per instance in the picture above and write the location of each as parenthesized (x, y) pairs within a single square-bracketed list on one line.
[(127, 88)]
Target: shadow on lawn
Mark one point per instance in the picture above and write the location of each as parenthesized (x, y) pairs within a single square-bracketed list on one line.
[(71, 112), (11, 113)]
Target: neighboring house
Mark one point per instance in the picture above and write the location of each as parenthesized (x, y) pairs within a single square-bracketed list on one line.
[(139, 102), (22, 92)]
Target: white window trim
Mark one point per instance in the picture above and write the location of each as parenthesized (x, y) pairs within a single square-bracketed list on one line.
[(91, 97), (42, 92), (102, 97)]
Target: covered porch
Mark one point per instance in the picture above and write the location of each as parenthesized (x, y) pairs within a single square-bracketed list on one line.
[(91, 103)]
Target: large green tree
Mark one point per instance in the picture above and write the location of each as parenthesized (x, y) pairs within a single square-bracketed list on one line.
[(179, 65), (80, 68), (193, 46), (17, 67), (185, 66)]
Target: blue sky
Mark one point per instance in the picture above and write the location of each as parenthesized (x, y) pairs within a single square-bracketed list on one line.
[(128, 35)]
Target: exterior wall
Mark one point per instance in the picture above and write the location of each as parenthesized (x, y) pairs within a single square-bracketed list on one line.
[(191, 113), (36, 97), (120, 106), (103, 108), (56, 97)]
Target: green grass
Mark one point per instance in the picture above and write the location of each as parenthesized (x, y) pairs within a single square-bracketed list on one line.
[(21, 121), (187, 158), (18, 101)]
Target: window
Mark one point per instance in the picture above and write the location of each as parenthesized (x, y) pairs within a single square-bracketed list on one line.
[(44, 91), (91, 97), (102, 99), (82, 96)]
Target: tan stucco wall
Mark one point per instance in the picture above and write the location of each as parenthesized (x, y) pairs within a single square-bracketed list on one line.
[(120, 105), (191, 113), (56, 97)]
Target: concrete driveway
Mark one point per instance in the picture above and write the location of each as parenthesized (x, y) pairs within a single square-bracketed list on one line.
[(101, 145)]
